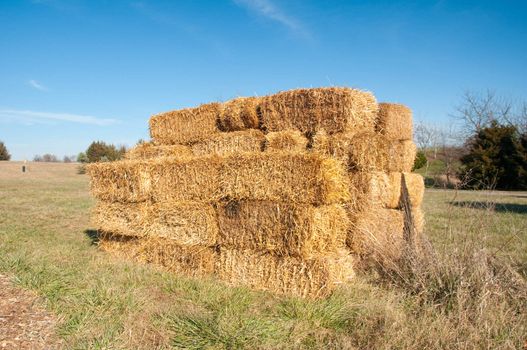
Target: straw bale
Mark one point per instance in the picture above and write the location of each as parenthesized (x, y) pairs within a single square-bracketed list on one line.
[(401, 156), (385, 189), (394, 121), (196, 179), (287, 140), (416, 188), (377, 231), (277, 176), (239, 114), (188, 260), (148, 150), (316, 277), (284, 176), (126, 181), (185, 125), (282, 228), (230, 142), (360, 152), (367, 151), (310, 110), (185, 223)]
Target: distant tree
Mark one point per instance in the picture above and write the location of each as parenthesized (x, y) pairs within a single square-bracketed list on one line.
[(496, 157), (49, 158), (420, 160), (4, 153), (37, 158), (100, 151), (69, 159), (82, 157)]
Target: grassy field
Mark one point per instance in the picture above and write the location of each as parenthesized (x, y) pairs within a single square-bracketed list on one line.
[(461, 298)]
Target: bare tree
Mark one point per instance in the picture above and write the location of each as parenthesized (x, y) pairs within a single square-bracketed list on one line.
[(427, 137), (479, 110)]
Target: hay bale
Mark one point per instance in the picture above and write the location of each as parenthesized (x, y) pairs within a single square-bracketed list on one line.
[(385, 189), (394, 121), (148, 150), (401, 156), (378, 232), (369, 152), (275, 176), (122, 181), (193, 261), (239, 114), (284, 176), (316, 277), (185, 125), (230, 142), (285, 229), (287, 140), (416, 188), (185, 223), (311, 110)]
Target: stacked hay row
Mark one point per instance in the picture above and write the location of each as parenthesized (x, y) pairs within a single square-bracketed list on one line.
[(279, 193)]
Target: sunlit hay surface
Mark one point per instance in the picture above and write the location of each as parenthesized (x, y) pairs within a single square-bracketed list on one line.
[(316, 277), (185, 125), (185, 223), (230, 143), (190, 260), (394, 121), (367, 151), (239, 114), (287, 140), (148, 150), (279, 176), (333, 110), (284, 229)]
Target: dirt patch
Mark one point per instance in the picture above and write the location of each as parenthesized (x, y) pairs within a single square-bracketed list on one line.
[(24, 324)]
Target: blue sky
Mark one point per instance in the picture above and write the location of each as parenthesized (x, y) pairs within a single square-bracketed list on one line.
[(73, 71)]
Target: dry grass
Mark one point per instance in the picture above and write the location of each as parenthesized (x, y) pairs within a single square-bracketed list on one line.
[(468, 294)]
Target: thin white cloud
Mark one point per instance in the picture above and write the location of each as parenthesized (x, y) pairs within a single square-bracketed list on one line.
[(269, 10), (32, 117), (36, 85)]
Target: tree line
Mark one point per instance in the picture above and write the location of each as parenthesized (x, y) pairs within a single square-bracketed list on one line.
[(97, 151)]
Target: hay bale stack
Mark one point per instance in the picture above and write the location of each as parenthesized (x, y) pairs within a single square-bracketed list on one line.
[(285, 193)]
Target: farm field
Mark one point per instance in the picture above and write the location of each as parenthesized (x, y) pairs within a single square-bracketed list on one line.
[(47, 246)]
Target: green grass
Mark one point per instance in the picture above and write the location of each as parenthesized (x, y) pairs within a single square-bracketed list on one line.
[(106, 303)]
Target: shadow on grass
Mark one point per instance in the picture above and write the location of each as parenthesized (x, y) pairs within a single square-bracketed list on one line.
[(93, 235), (497, 207)]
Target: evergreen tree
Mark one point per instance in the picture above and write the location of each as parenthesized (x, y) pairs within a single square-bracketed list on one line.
[(496, 158)]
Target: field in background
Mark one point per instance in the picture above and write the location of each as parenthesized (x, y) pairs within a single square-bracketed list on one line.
[(47, 245)]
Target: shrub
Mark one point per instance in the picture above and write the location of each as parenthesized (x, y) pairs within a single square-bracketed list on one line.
[(420, 160), (496, 157)]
